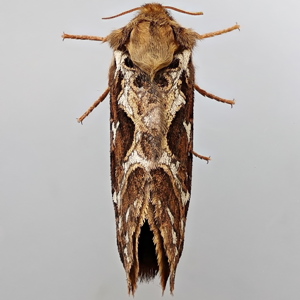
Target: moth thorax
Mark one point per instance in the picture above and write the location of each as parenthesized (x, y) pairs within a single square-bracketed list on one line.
[(152, 47)]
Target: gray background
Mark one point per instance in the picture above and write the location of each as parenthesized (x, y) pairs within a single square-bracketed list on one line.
[(57, 231)]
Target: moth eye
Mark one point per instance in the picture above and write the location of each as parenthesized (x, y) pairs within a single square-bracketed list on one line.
[(174, 64), (128, 63)]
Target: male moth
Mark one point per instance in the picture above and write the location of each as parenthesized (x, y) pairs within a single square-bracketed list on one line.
[(151, 86)]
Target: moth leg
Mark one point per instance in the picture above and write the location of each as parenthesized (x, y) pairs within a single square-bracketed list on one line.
[(219, 32), (207, 158), (84, 37), (95, 104), (212, 96)]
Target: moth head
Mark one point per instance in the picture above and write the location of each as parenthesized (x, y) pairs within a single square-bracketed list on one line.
[(152, 37)]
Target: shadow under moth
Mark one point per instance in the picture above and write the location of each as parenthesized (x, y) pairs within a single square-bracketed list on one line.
[(151, 86)]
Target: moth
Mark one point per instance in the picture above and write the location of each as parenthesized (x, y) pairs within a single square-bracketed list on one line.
[(151, 86)]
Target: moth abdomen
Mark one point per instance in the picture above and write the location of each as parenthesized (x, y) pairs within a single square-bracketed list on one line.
[(148, 265)]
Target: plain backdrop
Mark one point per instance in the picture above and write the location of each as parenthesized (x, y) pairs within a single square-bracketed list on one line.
[(57, 227)]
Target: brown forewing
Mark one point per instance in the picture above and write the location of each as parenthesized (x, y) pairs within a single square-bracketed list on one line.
[(149, 207)]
